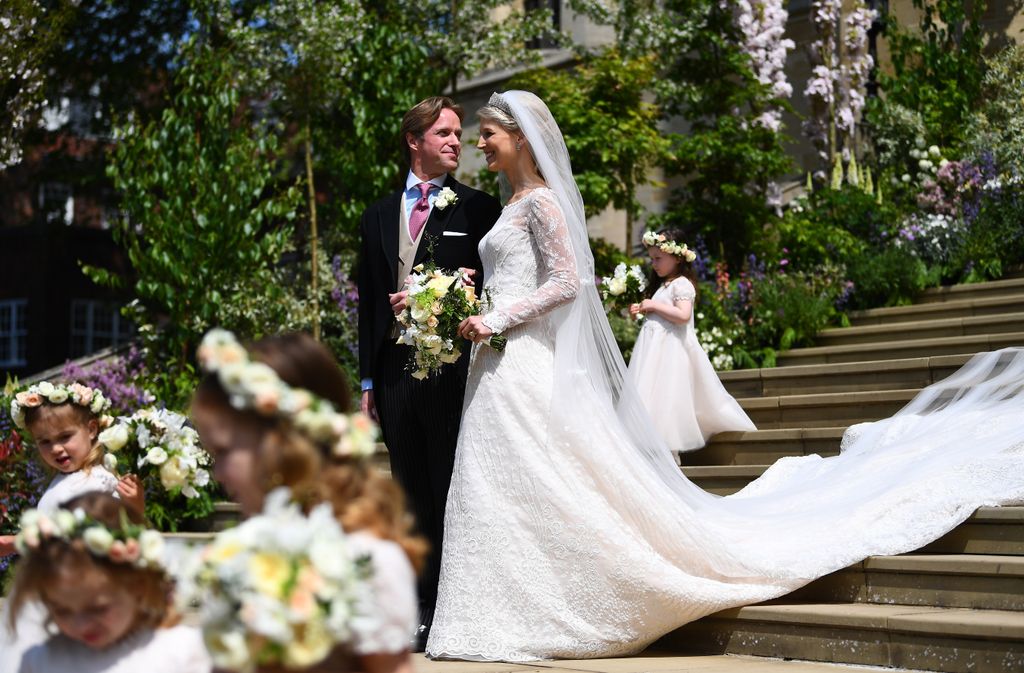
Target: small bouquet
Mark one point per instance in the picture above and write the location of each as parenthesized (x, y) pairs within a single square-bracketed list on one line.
[(624, 287), (157, 440), (437, 303), (280, 589)]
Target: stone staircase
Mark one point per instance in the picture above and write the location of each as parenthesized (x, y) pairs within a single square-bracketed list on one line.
[(957, 604)]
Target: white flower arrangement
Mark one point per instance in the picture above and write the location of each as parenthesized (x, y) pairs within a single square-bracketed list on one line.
[(445, 198), (130, 543), (255, 386), (653, 240), (281, 588), (47, 392), (625, 286), (437, 303), (160, 440)]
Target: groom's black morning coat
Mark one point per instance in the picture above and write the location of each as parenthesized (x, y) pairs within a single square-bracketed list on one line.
[(472, 214), (419, 419)]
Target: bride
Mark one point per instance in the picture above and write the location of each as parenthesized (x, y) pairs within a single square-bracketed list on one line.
[(571, 533)]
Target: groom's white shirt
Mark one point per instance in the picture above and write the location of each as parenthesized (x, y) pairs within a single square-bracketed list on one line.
[(412, 192), (411, 196)]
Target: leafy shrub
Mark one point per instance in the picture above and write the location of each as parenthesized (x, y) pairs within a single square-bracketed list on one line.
[(889, 276)]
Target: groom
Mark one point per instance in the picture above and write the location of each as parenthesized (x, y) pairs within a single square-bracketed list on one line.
[(419, 419)]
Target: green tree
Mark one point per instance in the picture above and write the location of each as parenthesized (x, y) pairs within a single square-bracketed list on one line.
[(937, 69), (206, 222), (727, 159), (610, 130), (31, 33), (301, 54)]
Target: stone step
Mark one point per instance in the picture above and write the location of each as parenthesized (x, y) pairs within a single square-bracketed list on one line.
[(723, 479), (976, 581), (971, 291), (897, 636), (963, 308), (923, 329), (763, 447), (907, 373), (990, 530), (648, 661), (824, 409), (897, 350)]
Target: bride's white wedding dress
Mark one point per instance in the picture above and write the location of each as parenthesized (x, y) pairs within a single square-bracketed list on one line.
[(566, 538)]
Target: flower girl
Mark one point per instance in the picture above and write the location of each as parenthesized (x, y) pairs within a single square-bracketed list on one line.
[(669, 369), (64, 421), (101, 579), (270, 417)]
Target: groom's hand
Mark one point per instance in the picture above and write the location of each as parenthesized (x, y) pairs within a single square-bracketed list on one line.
[(398, 301), (367, 406)]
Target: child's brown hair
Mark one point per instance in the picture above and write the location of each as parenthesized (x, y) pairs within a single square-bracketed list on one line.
[(150, 586), (362, 497), (686, 269)]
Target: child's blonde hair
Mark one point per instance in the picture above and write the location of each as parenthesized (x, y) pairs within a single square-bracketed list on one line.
[(362, 497), (81, 415), (39, 569)]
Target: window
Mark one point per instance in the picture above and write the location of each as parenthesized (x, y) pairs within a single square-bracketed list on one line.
[(56, 202), (96, 325), (14, 332)]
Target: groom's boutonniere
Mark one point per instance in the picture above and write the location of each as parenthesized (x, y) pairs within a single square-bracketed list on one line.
[(446, 198)]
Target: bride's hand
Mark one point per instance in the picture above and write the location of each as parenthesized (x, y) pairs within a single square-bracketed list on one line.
[(474, 329)]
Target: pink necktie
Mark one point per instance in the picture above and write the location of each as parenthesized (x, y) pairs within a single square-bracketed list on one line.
[(420, 210)]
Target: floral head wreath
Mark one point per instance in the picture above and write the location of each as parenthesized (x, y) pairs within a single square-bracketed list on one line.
[(652, 239), (58, 393), (130, 543), (255, 386)]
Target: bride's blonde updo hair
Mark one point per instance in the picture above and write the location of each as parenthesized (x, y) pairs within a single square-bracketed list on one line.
[(363, 498)]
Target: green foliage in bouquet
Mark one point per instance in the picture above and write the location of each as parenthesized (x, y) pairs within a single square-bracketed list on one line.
[(163, 450), (437, 303)]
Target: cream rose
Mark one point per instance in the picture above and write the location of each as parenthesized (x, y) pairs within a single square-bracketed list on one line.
[(114, 438), (98, 539)]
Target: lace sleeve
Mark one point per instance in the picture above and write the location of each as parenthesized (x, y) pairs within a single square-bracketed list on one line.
[(547, 225), (682, 290)]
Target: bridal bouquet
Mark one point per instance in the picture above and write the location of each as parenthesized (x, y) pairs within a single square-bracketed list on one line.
[(157, 441), (279, 589), (624, 287), (437, 303)]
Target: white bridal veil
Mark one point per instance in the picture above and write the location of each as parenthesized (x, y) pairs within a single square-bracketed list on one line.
[(901, 483)]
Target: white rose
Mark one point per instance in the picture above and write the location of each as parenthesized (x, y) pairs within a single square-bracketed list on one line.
[(45, 388), (98, 540), (151, 546), (617, 286), (934, 151), (173, 474), (419, 314), (114, 438), (65, 521), (229, 650), (58, 396), (156, 456), (110, 462)]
